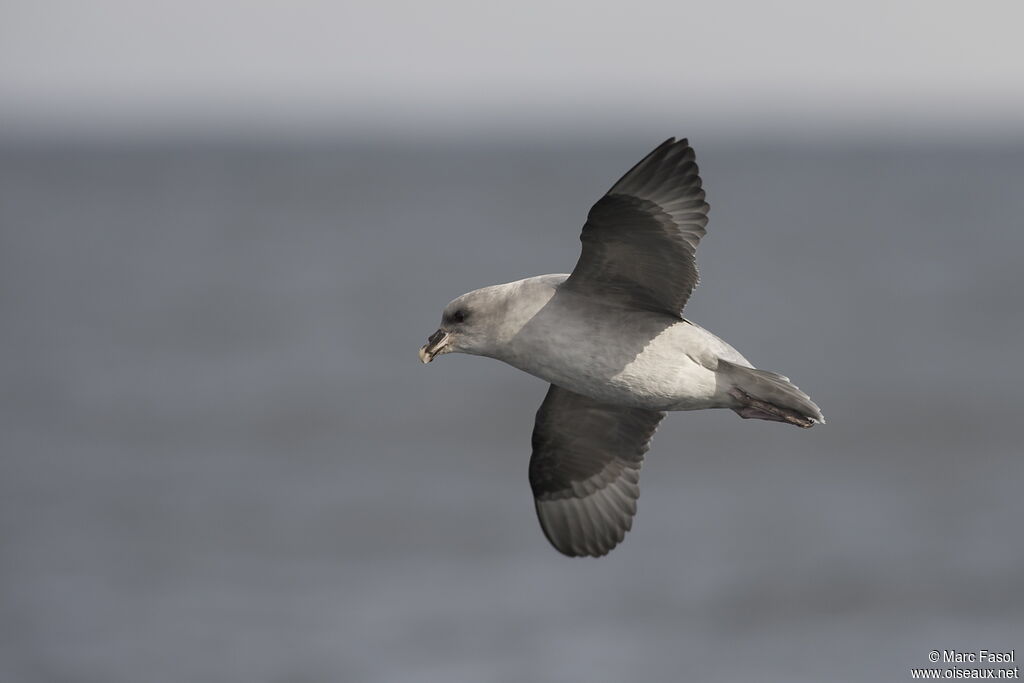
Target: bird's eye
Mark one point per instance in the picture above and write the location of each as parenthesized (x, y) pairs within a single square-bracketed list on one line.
[(459, 316)]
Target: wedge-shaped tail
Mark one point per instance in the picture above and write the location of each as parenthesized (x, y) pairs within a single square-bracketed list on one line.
[(765, 395)]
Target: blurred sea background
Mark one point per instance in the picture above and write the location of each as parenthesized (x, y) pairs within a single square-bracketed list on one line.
[(221, 460)]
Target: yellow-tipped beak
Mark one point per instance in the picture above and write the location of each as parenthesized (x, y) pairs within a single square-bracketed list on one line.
[(435, 346)]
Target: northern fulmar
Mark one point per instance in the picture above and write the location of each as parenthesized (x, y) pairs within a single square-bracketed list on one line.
[(611, 340)]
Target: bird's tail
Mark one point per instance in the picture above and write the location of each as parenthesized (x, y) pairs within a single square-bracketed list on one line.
[(765, 395)]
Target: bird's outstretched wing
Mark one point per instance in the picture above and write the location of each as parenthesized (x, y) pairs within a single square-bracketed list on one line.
[(585, 470), (640, 238)]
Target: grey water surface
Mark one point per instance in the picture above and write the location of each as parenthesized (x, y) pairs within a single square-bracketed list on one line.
[(220, 459)]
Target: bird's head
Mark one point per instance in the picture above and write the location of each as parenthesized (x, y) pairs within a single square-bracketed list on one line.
[(469, 324)]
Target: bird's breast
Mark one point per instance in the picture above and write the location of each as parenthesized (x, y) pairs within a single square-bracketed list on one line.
[(617, 356)]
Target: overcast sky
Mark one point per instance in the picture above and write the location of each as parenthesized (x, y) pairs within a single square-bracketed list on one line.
[(471, 65)]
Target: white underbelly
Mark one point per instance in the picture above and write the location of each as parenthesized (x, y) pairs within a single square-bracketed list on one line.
[(664, 374), (667, 380)]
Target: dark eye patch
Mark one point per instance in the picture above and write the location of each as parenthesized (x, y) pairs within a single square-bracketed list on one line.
[(459, 316)]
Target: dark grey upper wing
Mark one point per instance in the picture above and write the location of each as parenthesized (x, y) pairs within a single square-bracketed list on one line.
[(640, 238), (585, 470)]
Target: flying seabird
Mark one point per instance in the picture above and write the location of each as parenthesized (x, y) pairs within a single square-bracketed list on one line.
[(611, 340)]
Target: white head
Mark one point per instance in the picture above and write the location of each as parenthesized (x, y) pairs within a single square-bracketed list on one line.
[(485, 322), (472, 323)]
